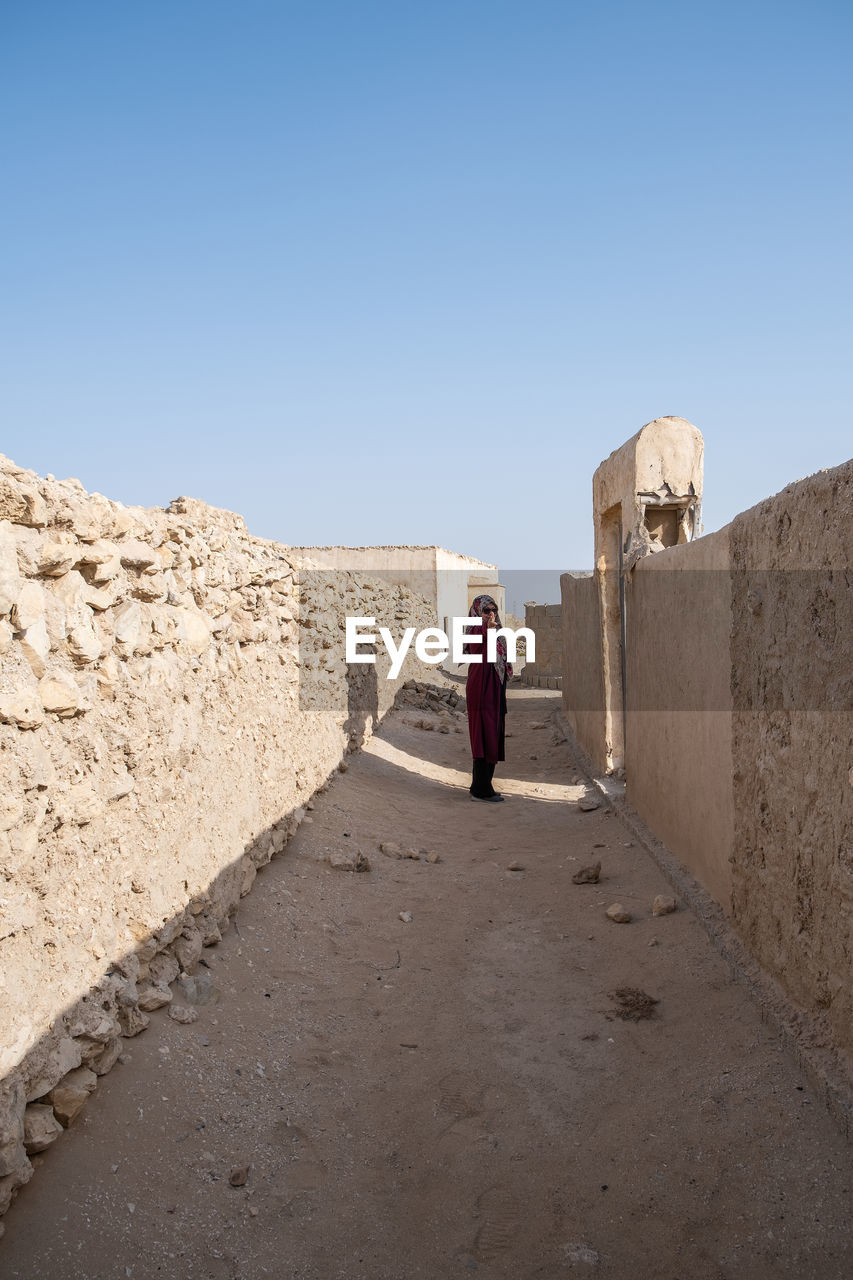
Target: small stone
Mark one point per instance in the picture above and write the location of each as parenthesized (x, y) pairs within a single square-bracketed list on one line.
[(41, 1127), (29, 608), (390, 849), (343, 766), (587, 875), (188, 948), (663, 906), (180, 1013), (132, 1020), (163, 969), (154, 996), (198, 989), (587, 804), (406, 917), (653, 942), (22, 709), (99, 600), (56, 559), (138, 555), (349, 860), (580, 1253), (515, 866), (617, 913), (253, 1213), (35, 646), (59, 694), (239, 1175), (432, 857), (69, 1097), (105, 1061), (411, 853), (632, 1004)]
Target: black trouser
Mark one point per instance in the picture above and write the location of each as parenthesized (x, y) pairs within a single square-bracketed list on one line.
[(481, 784)]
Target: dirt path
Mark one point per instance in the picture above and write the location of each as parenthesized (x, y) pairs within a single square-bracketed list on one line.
[(452, 1095)]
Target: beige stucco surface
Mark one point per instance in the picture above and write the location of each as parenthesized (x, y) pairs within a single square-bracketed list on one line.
[(645, 496), (678, 724), (792, 681), (668, 451), (583, 681), (739, 718)]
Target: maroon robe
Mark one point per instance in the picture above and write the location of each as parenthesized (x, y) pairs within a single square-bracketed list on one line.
[(485, 698)]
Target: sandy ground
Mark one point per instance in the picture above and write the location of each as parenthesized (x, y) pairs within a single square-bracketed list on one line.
[(452, 1095)]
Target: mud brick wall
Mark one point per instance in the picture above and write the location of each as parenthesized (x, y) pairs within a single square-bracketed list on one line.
[(546, 623)]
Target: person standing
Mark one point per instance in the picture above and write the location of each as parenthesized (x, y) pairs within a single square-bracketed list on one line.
[(485, 700)]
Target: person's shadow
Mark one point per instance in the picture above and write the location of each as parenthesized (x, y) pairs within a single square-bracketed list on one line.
[(362, 701)]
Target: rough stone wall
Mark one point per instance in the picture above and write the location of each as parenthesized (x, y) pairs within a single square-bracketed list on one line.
[(546, 622), (792, 688), (172, 692)]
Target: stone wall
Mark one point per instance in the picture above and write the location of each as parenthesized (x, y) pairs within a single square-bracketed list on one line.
[(172, 692), (446, 578), (546, 623)]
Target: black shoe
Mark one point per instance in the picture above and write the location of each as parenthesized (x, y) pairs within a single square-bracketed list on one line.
[(494, 797)]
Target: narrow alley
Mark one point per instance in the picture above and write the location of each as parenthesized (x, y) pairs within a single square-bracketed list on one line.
[(423, 1069)]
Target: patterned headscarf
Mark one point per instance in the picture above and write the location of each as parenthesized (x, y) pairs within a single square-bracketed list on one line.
[(476, 612)]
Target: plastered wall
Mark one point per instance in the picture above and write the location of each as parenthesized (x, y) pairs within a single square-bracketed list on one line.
[(792, 740), (583, 677), (739, 725), (678, 739), (172, 692)]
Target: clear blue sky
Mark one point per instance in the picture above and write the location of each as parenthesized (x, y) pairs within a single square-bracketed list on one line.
[(407, 270)]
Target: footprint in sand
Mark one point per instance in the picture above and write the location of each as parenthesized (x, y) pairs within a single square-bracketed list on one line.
[(499, 1213), (303, 1171)]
